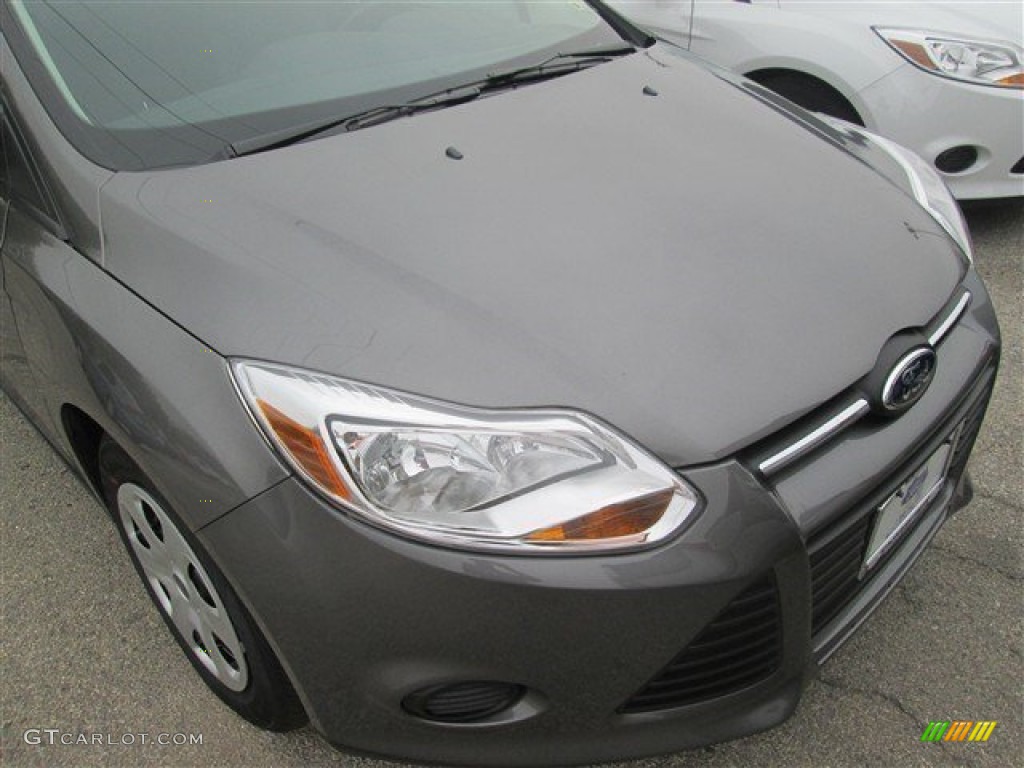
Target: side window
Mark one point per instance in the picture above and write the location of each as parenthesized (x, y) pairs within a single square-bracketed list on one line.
[(21, 182)]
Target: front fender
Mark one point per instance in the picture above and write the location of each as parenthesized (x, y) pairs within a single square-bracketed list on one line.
[(839, 50), (163, 395)]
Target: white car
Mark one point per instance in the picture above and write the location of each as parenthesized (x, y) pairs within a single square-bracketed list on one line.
[(943, 78)]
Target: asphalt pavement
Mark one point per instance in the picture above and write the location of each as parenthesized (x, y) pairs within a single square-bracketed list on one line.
[(85, 656)]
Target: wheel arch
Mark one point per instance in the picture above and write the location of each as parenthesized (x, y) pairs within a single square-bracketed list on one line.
[(763, 75), (84, 435)]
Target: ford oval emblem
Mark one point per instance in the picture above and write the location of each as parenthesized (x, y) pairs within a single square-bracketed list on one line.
[(909, 379)]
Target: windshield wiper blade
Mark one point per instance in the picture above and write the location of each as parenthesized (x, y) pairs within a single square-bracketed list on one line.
[(378, 115), (558, 64), (554, 66), (295, 134)]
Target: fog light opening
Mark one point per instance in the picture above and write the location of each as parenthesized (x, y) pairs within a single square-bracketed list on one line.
[(957, 159), (465, 702)]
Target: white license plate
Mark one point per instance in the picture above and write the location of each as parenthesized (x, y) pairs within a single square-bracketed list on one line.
[(900, 509)]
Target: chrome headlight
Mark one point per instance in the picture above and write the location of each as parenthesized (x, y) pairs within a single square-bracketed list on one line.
[(923, 181), (522, 480), (974, 61)]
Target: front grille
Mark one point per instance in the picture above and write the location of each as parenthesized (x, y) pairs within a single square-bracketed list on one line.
[(785, 449), (1018, 167), (741, 647), (837, 551)]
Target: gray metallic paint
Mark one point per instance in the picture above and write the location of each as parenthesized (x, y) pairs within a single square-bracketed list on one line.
[(635, 611), (85, 340), (433, 619), (556, 249), (576, 256), (147, 383), (825, 485), (73, 181)]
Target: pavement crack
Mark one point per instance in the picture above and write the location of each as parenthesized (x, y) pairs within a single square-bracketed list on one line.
[(894, 701), (1006, 574), (890, 698), (908, 592)]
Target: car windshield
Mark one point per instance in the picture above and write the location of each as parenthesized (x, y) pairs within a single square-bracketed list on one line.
[(148, 84)]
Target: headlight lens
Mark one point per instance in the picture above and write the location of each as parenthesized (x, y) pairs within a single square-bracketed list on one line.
[(924, 181), (973, 61), (523, 480)]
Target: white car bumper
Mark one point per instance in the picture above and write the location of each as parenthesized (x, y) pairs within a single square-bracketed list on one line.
[(932, 114)]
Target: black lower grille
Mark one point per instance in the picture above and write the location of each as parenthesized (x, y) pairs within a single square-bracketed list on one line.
[(741, 647), (836, 556), (962, 449), (1018, 167)]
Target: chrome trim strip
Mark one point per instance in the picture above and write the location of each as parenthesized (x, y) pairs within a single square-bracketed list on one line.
[(855, 410), (812, 440), (950, 320)]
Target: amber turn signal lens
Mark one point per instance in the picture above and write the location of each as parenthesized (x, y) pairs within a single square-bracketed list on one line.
[(615, 521), (916, 53), (1016, 80), (306, 448)]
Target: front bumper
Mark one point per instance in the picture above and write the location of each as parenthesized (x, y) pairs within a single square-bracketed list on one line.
[(932, 114), (361, 618)]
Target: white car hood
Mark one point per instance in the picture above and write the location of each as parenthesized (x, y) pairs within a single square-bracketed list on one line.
[(986, 19)]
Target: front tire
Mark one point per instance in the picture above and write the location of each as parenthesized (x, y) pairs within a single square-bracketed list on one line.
[(200, 608)]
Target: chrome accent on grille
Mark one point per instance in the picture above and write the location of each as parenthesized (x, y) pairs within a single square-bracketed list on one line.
[(813, 439), (950, 320), (851, 413)]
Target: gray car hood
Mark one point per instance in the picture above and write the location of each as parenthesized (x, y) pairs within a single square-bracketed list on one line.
[(689, 266)]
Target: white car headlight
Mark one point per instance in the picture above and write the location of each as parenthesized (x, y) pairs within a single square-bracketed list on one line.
[(522, 480), (973, 61), (924, 182)]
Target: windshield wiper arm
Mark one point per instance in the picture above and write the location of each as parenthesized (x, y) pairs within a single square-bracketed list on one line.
[(374, 116), (553, 66)]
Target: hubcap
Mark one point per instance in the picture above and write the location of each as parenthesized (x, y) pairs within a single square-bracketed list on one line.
[(183, 589)]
